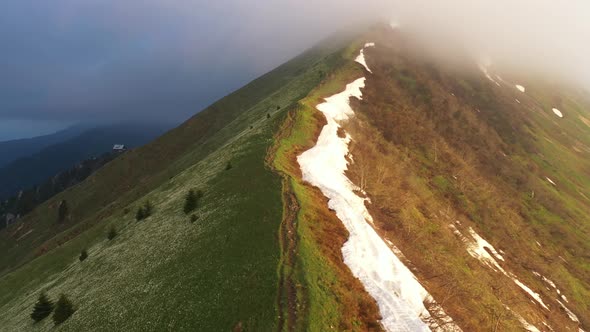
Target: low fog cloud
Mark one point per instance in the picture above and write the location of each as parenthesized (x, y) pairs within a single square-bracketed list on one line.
[(542, 37), (114, 60)]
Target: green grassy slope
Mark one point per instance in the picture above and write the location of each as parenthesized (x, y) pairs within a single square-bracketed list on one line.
[(165, 273), (139, 171)]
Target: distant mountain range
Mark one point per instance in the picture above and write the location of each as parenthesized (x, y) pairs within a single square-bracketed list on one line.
[(42, 157), (26, 200), (15, 149)]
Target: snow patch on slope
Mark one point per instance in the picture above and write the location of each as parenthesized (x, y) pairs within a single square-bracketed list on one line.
[(547, 280), (361, 57), (486, 253), (398, 293), (520, 88), (534, 295), (527, 326), (483, 66), (480, 245), (569, 313), (557, 112)]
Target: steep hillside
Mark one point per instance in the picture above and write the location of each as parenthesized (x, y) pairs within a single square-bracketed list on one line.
[(171, 271), (476, 180), (481, 185)]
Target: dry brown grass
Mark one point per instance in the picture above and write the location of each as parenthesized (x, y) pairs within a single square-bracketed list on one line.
[(428, 153)]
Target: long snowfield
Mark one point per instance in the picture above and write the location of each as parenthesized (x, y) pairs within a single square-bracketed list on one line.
[(398, 293)]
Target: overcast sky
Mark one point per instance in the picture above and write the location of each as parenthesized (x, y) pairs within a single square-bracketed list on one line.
[(66, 61)]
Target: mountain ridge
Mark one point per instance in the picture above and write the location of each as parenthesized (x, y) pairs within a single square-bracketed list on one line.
[(475, 185)]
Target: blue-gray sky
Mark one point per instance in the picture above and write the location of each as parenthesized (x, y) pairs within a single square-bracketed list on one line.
[(65, 61), (68, 61)]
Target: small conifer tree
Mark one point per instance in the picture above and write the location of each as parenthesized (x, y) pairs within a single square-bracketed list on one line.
[(112, 233), (63, 310), (144, 211), (83, 255), (62, 211), (190, 202), (148, 208), (228, 166), (140, 215), (42, 309)]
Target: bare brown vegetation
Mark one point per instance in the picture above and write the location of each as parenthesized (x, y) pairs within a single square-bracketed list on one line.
[(432, 147)]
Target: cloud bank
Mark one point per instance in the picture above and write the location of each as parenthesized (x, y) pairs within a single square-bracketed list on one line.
[(543, 37), (71, 60)]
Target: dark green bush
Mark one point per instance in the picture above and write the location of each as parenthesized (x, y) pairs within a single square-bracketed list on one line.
[(63, 310), (112, 233), (192, 200), (42, 309), (83, 255), (144, 211), (62, 211)]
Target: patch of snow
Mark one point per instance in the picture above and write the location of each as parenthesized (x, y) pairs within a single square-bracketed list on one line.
[(551, 283), (480, 245), (545, 279), (534, 295), (564, 298), (518, 101), (396, 290), (557, 112), (550, 181), (476, 247), (361, 57), (484, 68), (481, 249), (351, 157), (520, 88), (527, 326), (547, 325), (538, 243), (456, 231), (569, 313)]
